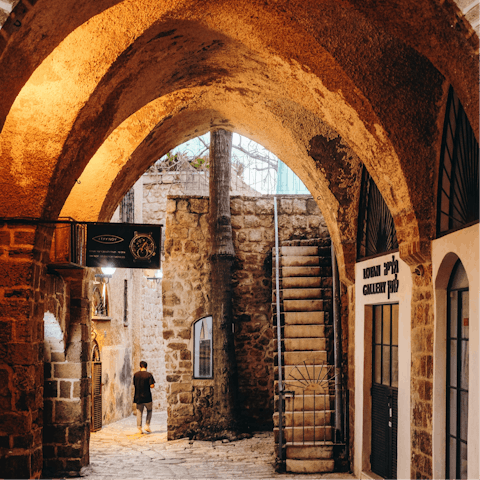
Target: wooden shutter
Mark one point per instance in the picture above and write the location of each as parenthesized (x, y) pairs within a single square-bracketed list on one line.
[(96, 423)]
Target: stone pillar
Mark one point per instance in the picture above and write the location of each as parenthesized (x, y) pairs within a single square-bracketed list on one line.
[(67, 387), (422, 371), (21, 350)]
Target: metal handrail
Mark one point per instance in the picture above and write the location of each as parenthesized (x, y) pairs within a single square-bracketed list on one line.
[(279, 337)]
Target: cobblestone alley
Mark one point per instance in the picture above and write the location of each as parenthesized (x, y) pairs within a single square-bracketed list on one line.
[(117, 451)]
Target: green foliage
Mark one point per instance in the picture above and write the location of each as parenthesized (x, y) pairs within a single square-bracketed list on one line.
[(171, 159), (200, 163)]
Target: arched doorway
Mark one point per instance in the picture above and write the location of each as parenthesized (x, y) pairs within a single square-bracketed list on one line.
[(457, 373)]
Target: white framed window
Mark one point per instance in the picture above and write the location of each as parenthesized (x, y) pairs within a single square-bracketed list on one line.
[(203, 348)]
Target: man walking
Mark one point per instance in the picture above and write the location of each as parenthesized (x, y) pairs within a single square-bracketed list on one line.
[(143, 382)]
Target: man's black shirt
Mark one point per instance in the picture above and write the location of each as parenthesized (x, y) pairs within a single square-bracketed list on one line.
[(142, 381)]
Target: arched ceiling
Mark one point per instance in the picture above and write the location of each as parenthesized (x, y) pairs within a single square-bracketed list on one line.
[(97, 91)]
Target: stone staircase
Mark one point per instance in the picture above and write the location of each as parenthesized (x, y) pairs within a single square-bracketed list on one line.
[(306, 303)]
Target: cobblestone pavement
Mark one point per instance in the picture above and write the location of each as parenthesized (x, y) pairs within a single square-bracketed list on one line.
[(117, 451)]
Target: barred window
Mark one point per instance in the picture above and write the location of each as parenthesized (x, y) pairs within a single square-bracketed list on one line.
[(457, 200), (127, 207), (376, 229), (203, 347)]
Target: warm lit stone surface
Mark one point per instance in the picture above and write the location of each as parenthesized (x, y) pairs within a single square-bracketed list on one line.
[(316, 108), (90, 95)]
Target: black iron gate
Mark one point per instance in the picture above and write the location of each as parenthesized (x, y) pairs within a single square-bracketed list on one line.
[(308, 400)]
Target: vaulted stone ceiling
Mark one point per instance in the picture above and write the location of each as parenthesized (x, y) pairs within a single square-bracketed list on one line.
[(94, 92)]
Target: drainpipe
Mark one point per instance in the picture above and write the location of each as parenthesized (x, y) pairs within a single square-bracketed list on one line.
[(279, 338), (337, 335)]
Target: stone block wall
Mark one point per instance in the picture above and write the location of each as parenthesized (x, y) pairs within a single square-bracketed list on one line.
[(67, 401), (422, 374), (187, 293), (22, 283)]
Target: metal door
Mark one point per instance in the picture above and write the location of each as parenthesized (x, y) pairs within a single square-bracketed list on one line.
[(385, 390)]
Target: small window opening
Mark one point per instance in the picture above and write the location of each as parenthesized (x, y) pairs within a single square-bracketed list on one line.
[(125, 302), (100, 301), (203, 346)]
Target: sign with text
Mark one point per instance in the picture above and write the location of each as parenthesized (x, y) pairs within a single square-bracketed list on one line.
[(383, 286), (123, 245)]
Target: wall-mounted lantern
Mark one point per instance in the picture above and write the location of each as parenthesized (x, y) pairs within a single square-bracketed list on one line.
[(105, 276)]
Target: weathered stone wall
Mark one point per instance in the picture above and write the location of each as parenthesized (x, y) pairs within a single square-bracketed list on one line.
[(422, 373), (22, 283), (67, 401), (187, 293)]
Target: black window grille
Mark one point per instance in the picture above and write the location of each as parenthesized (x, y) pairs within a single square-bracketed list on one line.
[(458, 199), (376, 229)]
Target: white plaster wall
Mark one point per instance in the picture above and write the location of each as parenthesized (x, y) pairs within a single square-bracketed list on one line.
[(465, 245), (403, 298)]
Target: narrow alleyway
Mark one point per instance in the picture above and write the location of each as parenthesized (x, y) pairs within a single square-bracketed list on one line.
[(118, 451)]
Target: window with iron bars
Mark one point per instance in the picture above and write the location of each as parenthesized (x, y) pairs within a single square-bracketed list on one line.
[(376, 229), (458, 192)]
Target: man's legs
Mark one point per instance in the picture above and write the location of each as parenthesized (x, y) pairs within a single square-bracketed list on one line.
[(140, 407), (149, 416)]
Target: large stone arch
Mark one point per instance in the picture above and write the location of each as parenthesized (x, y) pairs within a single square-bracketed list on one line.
[(87, 104), (449, 32), (327, 86)]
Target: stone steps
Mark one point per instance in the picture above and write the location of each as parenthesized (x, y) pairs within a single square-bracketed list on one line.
[(308, 403), (302, 293), (303, 331), (304, 344), (306, 291), (301, 282), (298, 251), (306, 434), (300, 261), (302, 305), (309, 357), (304, 318), (299, 418), (309, 466)]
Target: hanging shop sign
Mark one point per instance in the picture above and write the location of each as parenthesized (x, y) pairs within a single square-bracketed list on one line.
[(123, 245), (385, 286)]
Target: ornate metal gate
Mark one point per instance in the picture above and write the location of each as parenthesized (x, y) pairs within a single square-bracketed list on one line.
[(309, 399)]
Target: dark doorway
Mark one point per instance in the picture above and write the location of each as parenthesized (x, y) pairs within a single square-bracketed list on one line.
[(457, 373), (385, 390)]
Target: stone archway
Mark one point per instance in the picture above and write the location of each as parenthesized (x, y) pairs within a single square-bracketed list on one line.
[(326, 87)]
